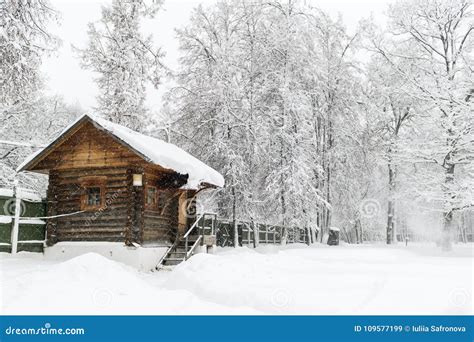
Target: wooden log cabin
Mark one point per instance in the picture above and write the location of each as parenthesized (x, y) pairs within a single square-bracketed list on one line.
[(113, 184)]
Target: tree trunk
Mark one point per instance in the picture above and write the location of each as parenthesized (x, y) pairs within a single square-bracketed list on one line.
[(309, 236), (448, 222), (447, 243), (361, 232), (391, 205), (462, 227), (234, 219)]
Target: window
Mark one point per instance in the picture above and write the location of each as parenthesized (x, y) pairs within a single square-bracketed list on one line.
[(150, 199), (93, 196), (93, 192)]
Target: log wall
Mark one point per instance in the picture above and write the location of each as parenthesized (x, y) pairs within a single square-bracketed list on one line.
[(160, 224), (109, 223)]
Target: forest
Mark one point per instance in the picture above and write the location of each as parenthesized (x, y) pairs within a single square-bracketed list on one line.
[(312, 125)]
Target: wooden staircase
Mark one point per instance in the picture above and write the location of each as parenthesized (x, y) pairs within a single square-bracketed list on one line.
[(179, 252), (185, 246)]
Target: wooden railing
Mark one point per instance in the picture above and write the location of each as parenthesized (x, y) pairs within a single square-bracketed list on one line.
[(190, 230), (173, 246), (191, 251), (200, 219)]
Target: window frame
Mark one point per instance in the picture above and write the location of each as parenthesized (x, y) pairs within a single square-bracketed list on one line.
[(92, 182)]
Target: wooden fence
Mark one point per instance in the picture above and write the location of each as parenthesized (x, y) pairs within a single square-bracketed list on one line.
[(20, 227), (251, 233)]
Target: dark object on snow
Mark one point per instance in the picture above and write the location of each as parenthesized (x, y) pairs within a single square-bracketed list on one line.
[(333, 239)]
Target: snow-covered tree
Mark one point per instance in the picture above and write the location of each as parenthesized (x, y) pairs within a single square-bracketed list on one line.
[(24, 41), (210, 98), (431, 48), (271, 94), (28, 117), (334, 88), (392, 110), (124, 59), (26, 130), (252, 98)]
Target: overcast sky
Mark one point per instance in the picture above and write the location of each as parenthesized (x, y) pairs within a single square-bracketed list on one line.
[(66, 77)]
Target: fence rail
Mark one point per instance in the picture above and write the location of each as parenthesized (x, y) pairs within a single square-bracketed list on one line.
[(20, 226), (253, 234)]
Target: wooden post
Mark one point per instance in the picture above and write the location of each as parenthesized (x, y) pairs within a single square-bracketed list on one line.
[(236, 233), (256, 235), (51, 209), (130, 208), (213, 224), (203, 226), (16, 222), (186, 248)]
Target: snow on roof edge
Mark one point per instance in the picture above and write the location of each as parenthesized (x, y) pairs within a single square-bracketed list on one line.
[(159, 152)]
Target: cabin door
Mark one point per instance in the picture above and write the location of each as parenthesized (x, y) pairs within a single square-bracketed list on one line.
[(182, 213)]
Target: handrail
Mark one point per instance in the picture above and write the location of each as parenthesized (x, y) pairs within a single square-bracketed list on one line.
[(188, 254), (175, 243), (194, 225)]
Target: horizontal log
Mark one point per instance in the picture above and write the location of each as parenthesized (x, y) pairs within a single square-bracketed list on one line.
[(96, 228), (91, 238), (95, 220), (109, 171)]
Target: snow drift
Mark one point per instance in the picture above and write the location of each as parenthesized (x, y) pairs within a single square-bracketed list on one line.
[(93, 284)]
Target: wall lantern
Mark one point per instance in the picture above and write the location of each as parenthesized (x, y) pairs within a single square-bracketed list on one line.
[(137, 179)]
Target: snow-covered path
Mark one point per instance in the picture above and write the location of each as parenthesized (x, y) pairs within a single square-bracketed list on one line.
[(270, 280)]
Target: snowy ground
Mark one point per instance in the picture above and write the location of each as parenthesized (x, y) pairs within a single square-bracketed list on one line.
[(367, 279)]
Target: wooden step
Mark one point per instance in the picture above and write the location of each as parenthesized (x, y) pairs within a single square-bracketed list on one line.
[(172, 261), (178, 254), (190, 240)]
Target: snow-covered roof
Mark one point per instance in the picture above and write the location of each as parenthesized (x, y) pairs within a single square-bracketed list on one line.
[(153, 150)]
